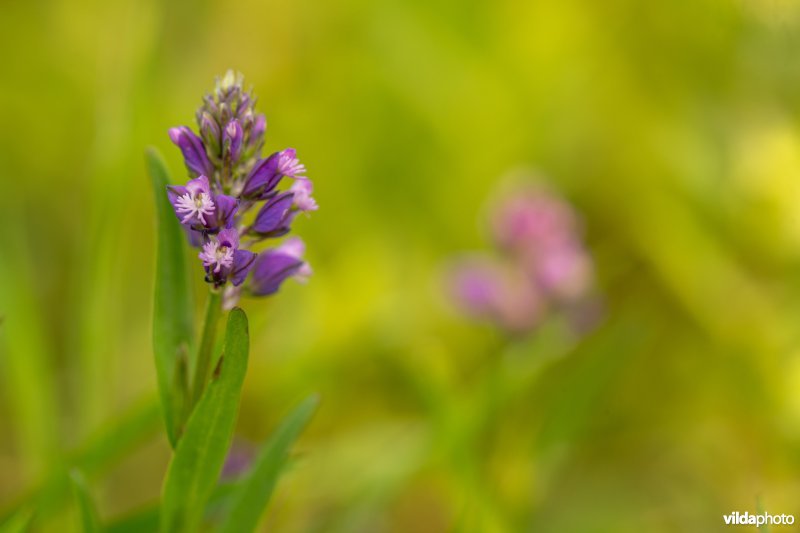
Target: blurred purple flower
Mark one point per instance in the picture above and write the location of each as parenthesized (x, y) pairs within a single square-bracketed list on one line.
[(487, 288), (541, 265), (239, 459)]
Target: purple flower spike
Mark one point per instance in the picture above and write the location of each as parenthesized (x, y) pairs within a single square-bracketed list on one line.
[(232, 140), (194, 152), (302, 189), (274, 218), (223, 259), (273, 267), (233, 191)]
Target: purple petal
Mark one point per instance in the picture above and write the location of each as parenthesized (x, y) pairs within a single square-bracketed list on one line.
[(199, 185), (271, 268), (174, 192), (194, 152), (273, 219), (226, 207), (196, 238), (263, 179), (229, 237), (302, 189), (259, 127), (242, 263), (293, 246)]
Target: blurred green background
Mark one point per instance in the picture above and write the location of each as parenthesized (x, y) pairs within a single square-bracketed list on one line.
[(672, 127)]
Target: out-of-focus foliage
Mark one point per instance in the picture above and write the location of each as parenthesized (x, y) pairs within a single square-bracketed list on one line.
[(672, 127)]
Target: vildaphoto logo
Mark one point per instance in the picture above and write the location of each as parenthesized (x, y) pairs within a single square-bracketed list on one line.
[(743, 519)]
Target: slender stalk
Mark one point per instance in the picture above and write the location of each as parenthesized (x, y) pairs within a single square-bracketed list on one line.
[(206, 347)]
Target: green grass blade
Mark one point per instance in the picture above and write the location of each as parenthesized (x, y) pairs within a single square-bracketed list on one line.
[(172, 311), (90, 521), (252, 493), (201, 452)]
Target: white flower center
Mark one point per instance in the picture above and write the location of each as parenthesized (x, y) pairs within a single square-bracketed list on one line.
[(197, 207), (217, 256)]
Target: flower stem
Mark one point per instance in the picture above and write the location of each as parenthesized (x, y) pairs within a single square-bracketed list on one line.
[(206, 347)]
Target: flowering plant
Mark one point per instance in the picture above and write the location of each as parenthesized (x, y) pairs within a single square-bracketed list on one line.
[(230, 205)]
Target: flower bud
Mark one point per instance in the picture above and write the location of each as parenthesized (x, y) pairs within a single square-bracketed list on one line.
[(232, 141), (194, 152), (209, 131)]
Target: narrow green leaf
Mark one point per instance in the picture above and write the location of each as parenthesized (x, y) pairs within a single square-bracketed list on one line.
[(172, 310), (90, 522), (201, 451), (252, 493), (18, 523)]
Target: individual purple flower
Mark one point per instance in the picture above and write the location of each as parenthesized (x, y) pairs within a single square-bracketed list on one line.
[(198, 208), (194, 152), (302, 189), (267, 174), (223, 260), (275, 216), (193, 203), (232, 140), (273, 267)]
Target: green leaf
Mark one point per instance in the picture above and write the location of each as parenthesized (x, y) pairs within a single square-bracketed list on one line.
[(89, 520), (201, 452), (252, 493), (172, 311)]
